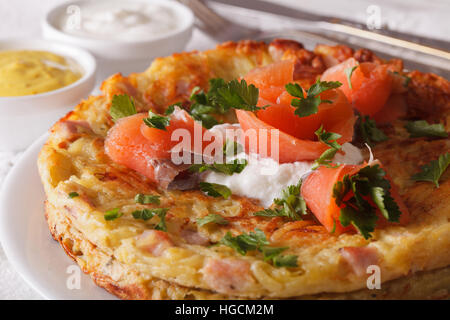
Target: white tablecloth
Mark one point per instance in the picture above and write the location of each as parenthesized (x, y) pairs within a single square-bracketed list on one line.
[(21, 18)]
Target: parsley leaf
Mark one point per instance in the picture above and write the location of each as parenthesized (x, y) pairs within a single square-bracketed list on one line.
[(238, 95), (162, 220), (309, 105), (122, 106), (236, 166), (73, 194), (348, 73), (144, 214), (232, 148), (257, 241), (352, 195), (364, 222), (212, 217), (146, 198), (433, 171), (291, 205), (221, 97), (273, 255), (245, 242), (421, 128), (156, 121), (112, 214), (328, 138), (369, 132), (170, 109), (215, 190), (147, 214), (203, 113), (289, 261)]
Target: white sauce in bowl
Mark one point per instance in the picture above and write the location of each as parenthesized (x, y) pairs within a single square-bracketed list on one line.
[(122, 20)]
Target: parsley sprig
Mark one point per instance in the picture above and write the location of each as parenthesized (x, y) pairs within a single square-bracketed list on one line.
[(306, 106), (146, 198), (352, 195), (349, 72), (235, 166), (212, 218), (422, 128), (215, 190), (256, 240), (328, 138), (433, 171), (73, 194), (156, 121), (291, 204), (220, 98), (369, 132), (112, 214), (122, 105)]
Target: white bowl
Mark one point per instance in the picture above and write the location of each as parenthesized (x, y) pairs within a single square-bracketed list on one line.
[(120, 55), (24, 118)]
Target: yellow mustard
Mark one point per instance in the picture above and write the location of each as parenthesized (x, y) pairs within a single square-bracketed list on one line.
[(29, 72)]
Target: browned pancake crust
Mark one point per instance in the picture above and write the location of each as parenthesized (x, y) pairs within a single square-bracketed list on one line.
[(74, 160)]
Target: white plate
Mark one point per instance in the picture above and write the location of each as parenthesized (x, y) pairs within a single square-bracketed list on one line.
[(26, 239)]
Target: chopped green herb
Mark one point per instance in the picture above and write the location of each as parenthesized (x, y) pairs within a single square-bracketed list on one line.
[(364, 221), (170, 109), (215, 190), (421, 128), (352, 194), (221, 97), (238, 95), (112, 214), (156, 121), (232, 148), (146, 198), (328, 138), (433, 171), (236, 166), (288, 261), (162, 220), (369, 132), (73, 194), (348, 73), (334, 227), (122, 106), (270, 253), (257, 241), (407, 79), (245, 242), (213, 217), (147, 214), (309, 105), (144, 214), (291, 204)]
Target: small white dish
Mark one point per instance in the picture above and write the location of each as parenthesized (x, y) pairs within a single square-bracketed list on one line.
[(123, 56), (27, 241), (24, 118)]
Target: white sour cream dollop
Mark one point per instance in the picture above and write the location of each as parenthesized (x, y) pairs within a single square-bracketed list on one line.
[(264, 178)]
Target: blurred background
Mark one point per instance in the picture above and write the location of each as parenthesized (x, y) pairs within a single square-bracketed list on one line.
[(426, 18)]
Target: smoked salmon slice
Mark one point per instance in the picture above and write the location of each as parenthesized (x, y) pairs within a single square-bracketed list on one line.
[(148, 150), (369, 87), (317, 191), (297, 141), (273, 75), (126, 145)]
